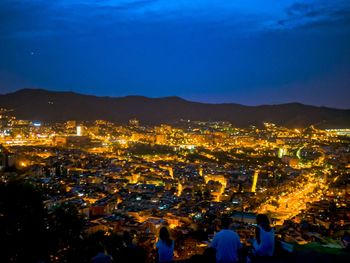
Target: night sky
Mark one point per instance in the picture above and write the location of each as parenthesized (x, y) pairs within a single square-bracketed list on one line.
[(244, 51)]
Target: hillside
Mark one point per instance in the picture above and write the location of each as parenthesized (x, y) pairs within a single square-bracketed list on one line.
[(43, 105)]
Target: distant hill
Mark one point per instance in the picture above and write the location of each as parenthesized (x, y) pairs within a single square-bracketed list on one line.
[(44, 105)]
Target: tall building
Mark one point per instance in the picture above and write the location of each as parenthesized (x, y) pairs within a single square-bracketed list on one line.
[(79, 130)]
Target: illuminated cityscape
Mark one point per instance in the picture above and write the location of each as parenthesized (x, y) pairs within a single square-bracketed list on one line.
[(136, 177)]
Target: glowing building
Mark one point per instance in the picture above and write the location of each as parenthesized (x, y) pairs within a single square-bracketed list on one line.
[(255, 180), (79, 131)]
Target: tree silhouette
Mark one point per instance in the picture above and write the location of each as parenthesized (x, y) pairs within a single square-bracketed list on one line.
[(29, 233), (22, 224), (64, 230)]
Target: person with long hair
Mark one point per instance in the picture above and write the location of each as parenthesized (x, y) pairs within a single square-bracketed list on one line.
[(165, 246), (264, 243)]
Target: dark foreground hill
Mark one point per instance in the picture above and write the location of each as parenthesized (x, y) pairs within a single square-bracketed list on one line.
[(43, 105)]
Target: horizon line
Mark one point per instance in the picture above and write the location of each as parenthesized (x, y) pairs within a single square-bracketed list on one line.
[(171, 96)]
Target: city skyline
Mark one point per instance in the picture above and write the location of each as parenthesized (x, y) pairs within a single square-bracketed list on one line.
[(245, 52)]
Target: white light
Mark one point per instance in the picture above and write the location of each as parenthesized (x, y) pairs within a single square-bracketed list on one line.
[(79, 131)]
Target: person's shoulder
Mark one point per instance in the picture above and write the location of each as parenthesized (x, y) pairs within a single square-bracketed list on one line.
[(265, 229), (233, 233), (102, 258), (220, 233), (227, 232), (230, 231), (109, 259)]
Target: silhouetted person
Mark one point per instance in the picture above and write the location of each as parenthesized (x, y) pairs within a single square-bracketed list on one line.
[(264, 245), (127, 240), (226, 243), (165, 246), (101, 256), (132, 252)]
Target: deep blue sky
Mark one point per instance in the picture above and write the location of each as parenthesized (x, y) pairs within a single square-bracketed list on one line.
[(244, 51)]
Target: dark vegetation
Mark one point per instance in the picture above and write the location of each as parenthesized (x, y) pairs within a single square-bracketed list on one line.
[(43, 105)]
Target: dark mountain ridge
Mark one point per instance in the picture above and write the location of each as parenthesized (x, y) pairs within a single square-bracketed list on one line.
[(44, 105)]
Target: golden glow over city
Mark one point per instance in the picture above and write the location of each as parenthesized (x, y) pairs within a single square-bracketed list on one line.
[(181, 176), (310, 188)]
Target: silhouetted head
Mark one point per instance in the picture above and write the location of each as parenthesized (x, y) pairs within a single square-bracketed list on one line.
[(127, 238), (263, 221), (98, 248), (225, 222), (165, 236)]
